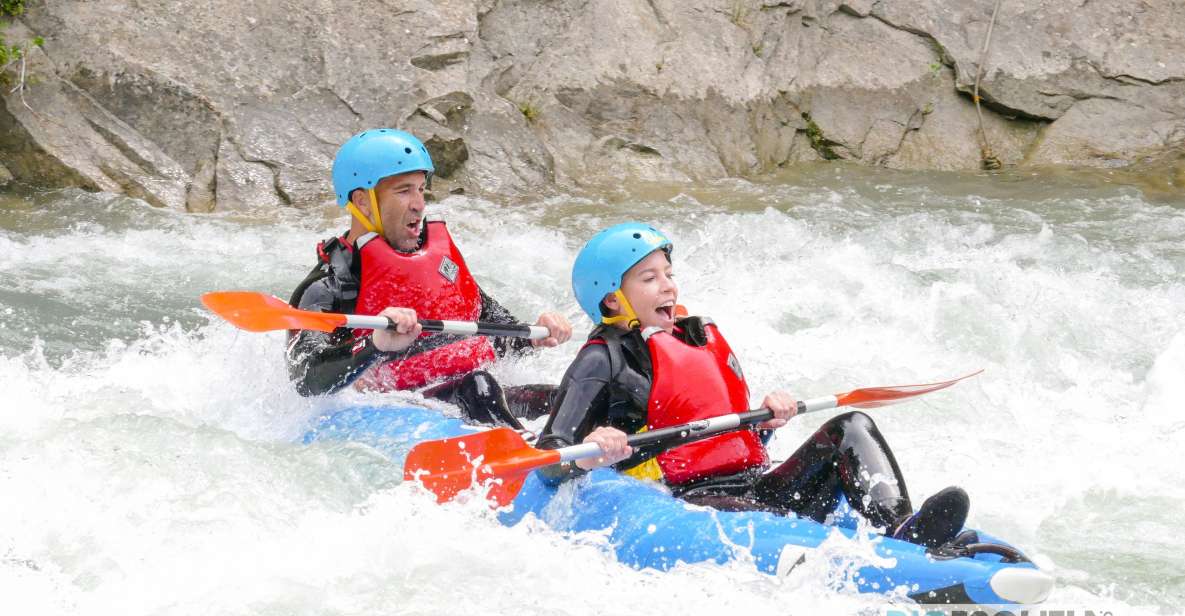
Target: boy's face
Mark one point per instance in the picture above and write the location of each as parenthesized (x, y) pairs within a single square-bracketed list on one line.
[(650, 288)]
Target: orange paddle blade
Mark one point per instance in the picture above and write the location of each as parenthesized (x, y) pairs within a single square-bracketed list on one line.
[(259, 312), (498, 459), (871, 397)]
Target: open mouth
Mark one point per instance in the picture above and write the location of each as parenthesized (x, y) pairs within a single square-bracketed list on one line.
[(666, 310), (414, 226)]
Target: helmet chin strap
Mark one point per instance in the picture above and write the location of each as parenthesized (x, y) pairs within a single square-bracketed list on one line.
[(373, 227), (628, 315)]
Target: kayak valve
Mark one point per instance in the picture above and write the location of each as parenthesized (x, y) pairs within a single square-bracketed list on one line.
[(1022, 585)]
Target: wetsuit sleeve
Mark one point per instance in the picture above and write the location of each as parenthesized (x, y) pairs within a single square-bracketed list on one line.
[(321, 363), (581, 404), (494, 312)]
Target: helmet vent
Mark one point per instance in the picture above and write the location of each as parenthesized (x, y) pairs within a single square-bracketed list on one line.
[(407, 150), (637, 236)]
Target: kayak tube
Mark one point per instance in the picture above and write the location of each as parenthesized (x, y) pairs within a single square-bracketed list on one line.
[(649, 528)]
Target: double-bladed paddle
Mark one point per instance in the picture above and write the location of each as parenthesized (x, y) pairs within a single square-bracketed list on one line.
[(260, 312), (501, 459)]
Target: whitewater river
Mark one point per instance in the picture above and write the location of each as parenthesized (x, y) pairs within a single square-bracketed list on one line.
[(148, 462)]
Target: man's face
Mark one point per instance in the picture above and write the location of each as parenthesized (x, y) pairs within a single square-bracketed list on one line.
[(401, 204)]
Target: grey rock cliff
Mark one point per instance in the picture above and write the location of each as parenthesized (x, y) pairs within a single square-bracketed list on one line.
[(213, 105)]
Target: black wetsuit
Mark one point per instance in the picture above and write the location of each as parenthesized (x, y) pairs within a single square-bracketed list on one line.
[(322, 363), (609, 385)]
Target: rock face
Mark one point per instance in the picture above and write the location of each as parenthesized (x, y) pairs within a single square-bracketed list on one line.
[(213, 105)]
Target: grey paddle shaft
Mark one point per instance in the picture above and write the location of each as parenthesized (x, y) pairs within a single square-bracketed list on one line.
[(696, 430), (460, 328)]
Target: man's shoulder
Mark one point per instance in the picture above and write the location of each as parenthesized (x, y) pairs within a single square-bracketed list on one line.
[(330, 278), (320, 295), (337, 246)]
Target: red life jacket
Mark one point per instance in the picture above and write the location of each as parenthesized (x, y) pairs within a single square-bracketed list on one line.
[(434, 281), (697, 382)]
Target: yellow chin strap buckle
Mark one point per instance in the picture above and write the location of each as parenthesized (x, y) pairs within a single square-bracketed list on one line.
[(628, 315), (373, 227)]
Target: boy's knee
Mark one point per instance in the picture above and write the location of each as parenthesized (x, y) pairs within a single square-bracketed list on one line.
[(481, 384)]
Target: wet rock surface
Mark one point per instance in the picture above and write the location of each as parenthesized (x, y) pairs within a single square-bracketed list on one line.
[(216, 105)]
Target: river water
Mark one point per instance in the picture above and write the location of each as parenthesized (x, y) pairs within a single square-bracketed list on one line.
[(148, 462)]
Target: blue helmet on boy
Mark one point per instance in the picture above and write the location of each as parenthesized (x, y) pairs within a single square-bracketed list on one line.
[(606, 258), (373, 155)]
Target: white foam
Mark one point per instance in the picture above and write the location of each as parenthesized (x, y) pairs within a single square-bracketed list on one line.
[(153, 461)]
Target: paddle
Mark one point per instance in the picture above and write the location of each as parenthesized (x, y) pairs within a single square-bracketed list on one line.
[(449, 466), (259, 312)]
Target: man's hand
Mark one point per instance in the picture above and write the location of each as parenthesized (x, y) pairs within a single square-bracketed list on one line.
[(784, 407), (559, 328), (407, 329)]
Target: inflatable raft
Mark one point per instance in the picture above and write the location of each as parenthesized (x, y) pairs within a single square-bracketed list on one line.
[(648, 528)]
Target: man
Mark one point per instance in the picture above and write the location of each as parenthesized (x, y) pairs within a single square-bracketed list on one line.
[(393, 262)]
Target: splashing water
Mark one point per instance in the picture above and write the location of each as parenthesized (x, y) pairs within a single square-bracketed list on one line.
[(148, 453)]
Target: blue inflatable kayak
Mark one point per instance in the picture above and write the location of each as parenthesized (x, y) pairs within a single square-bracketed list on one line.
[(648, 528)]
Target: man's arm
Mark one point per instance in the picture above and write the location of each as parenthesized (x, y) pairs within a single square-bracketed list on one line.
[(321, 363), (494, 312)]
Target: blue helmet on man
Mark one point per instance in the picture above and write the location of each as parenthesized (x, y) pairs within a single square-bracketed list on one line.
[(373, 155)]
